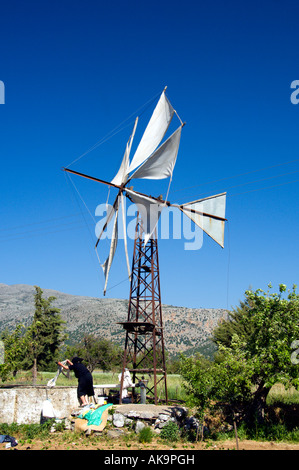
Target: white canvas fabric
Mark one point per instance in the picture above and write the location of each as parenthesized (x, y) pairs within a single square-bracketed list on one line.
[(107, 264), (149, 210), (154, 132), (110, 213), (122, 174), (161, 163), (213, 205), (125, 233)]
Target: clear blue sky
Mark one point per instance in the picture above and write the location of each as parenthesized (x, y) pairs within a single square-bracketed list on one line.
[(73, 71)]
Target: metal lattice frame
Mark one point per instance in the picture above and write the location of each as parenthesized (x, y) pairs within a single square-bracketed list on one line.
[(144, 345)]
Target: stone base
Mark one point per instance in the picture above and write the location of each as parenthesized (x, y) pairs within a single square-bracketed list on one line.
[(23, 404)]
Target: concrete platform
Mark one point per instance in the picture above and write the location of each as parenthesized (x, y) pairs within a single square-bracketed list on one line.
[(155, 410)]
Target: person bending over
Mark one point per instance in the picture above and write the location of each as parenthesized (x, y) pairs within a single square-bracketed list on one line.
[(85, 381)]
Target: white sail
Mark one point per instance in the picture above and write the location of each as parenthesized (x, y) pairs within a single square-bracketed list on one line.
[(121, 176), (154, 132), (161, 163), (149, 210), (125, 233), (202, 212), (110, 213), (107, 264)]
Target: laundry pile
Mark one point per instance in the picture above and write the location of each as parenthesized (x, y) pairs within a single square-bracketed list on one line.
[(93, 419), (9, 439)]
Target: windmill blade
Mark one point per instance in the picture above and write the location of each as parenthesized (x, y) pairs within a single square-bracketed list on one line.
[(161, 163), (125, 234), (154, 131), (107, 264), (150, 210), (121, 177), (209, 215), (109, 217)]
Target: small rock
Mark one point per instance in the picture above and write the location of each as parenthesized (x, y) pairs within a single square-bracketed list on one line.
[(115, 433), (146, 415), (162, 424), (163, 417), (139, 426), (133, 414), (118, 420)]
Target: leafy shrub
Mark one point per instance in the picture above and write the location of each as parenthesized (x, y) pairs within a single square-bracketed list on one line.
[(170, 432)]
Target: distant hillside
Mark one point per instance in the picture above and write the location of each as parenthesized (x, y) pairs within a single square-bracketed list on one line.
[(186, 330)]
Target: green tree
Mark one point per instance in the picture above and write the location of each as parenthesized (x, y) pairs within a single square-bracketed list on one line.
[(45, 335), (265, 325), (97, 352), (254, 353), (14, 347)]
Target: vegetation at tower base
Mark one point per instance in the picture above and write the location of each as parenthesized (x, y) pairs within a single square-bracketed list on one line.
[(254, 353)]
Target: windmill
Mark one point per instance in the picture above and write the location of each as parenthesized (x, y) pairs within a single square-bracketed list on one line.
[(144, 344)]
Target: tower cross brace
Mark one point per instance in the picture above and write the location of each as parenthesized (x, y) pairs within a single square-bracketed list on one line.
[(144, 344)]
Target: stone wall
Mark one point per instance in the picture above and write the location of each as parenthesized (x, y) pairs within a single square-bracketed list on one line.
[(23, 404)]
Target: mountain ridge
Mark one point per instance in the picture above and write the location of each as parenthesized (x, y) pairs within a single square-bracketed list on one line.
[(186, 330)]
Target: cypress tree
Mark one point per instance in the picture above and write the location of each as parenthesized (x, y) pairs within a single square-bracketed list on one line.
[(45, 335)]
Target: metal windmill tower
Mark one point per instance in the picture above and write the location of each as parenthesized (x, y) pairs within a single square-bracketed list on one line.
[(144, 345)]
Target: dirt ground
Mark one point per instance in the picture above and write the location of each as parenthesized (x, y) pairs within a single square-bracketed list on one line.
[(69, 440), (56, 444)]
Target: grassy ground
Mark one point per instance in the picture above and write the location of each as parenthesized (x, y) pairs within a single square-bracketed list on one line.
[(174, 382), (39, 437), (278, 394)]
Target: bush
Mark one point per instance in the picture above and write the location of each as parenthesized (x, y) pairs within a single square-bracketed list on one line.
[(170, 432), (145, 435)]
